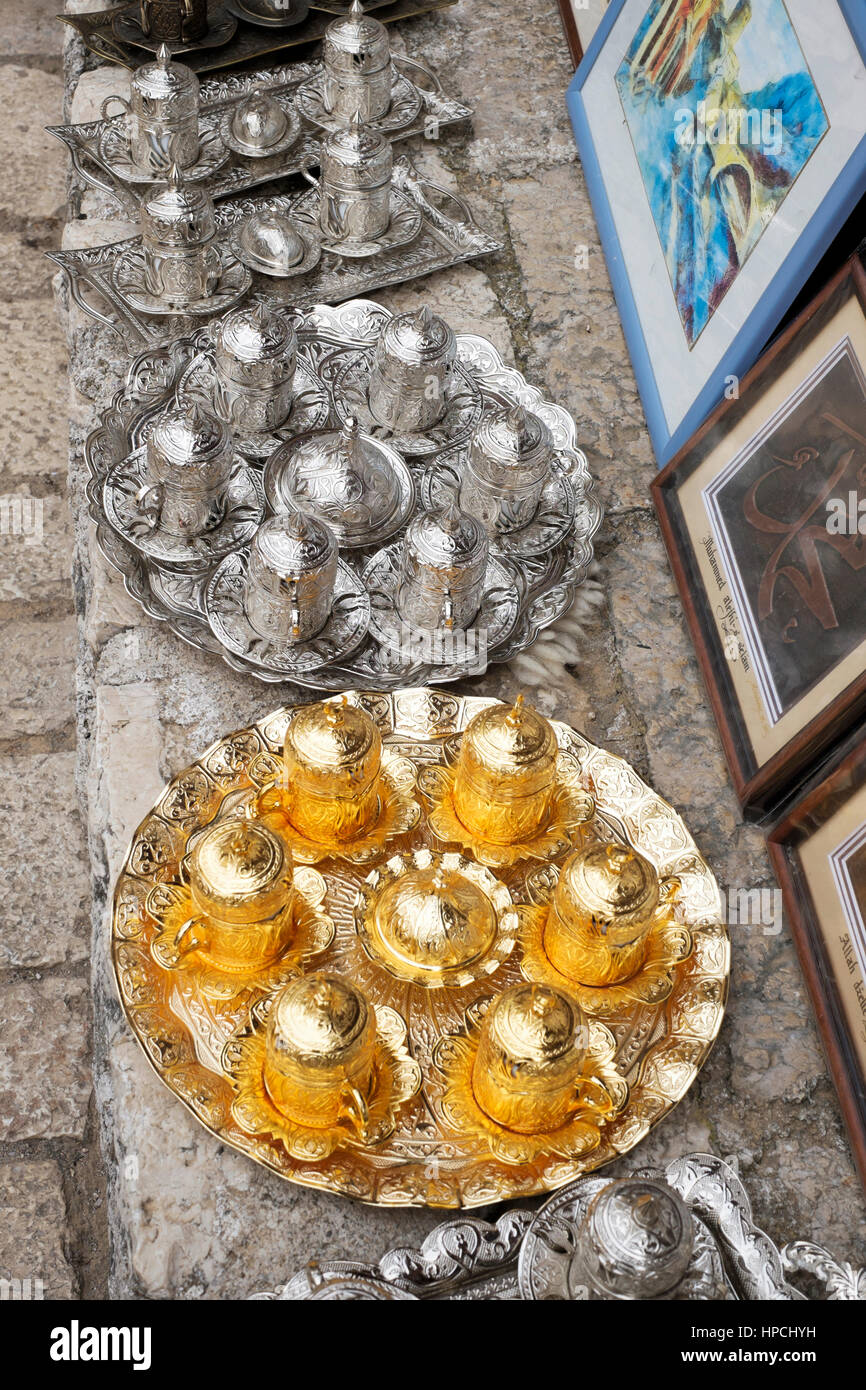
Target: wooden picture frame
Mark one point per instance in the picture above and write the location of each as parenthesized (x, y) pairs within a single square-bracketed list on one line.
[(784, 685), (580, 19), (811, 851)]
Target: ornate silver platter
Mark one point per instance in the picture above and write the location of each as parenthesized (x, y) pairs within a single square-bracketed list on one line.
[(444, 240), (99, 148), (542, 587)]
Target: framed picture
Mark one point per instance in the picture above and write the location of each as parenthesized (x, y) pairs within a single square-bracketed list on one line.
[(819, 856), (764, 517), (724, 146), (580, 19)]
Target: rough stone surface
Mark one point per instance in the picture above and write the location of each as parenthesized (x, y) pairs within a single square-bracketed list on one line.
[(32, 1216), (45, 1078), (188, 1217), (36, 679), (31, 99)]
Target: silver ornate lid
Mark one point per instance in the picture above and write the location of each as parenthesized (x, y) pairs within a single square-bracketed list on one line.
[(344, 477), (356, 43), (256, 346), (259, 122), (417, 338), (272, 239), (636, 1239), (447, 538), (188, 444), (165, 81), (357, 156), (180, 214), (293, 545), (511, 445)]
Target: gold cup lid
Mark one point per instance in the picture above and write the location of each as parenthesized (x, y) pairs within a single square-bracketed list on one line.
[(336, 742), (513, 744), (318, 1019), (240, 871), (435, 919), (609, 883), (535, 1026)]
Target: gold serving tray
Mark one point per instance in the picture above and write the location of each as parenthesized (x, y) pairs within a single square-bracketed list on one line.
[(660, 1049)]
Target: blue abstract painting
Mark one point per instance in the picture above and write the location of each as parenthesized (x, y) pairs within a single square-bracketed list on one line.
[(723, 115)]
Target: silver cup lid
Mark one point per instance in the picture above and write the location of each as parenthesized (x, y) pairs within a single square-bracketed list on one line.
[(259, 122), (180, 214), (293, 545), (417, 338), (511, 444), (636, 1238), (272, 239), (446, 539), (346, 478), (256, 337), (356, 42), (359, 154), (187, 442), (164, 80)]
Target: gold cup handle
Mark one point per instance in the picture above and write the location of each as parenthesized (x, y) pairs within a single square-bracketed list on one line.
[(186, 939), (266, 802), (592, 1094), (354, 1108)]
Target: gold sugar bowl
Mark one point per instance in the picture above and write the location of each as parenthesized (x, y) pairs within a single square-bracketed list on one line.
[(318, 1067), (534, 1079), (511, 795), (338, 792), (436, 920), (242, 916), (607, 931)]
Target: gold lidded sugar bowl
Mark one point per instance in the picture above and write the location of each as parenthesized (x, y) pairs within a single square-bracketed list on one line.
[(319, 1067), (511, 794), (438, 921)]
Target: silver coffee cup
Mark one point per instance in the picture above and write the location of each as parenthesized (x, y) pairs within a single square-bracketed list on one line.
[(354, 185), (357, 66), (182, 263), (161, 115), (410, 371), (291, 577), (511, 457), (255, 357), (443, 569), (190, 459)]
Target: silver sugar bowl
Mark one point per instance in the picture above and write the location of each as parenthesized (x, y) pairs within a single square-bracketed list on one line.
[(162, 114), (182, 263), (444, 564), (410, 371), (635, 1241), (290, 578), (258, 123), (510, 460), (345, 478), (357, 59), (255, 356), (190, 458), (355, 184)]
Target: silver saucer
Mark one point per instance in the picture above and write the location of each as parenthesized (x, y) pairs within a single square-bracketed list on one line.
[(113, 150), (311, 406), (404, 226), (286, 101), (406, 102), (234, 522), (279, 499), (342, 634), (496, 616), (553, 521), (349, 371), (127, 278)]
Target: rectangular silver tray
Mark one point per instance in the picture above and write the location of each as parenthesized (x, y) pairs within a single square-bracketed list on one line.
[(240, 174), (442, 242)]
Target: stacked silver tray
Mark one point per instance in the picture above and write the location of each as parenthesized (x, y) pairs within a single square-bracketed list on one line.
[(198, 595)]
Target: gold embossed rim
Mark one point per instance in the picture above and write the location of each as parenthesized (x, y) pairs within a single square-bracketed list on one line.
[(660, 1052)]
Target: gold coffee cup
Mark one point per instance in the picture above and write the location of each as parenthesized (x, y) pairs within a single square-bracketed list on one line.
[(320, 1052), (332, 759), (241, 883), (505, 773), (603, 909), (528, 1071)]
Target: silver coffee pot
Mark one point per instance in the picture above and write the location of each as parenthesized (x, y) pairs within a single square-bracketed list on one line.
[(357, 59), (182, 263), (443, 569), (161, 114), (290, 577), (190, 459), (255, 356), (345, 478), (355, 184), (410, 371), (510, 460)]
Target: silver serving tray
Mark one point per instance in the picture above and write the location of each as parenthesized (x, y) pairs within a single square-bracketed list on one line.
[(442, 242), (238, 174), (546, 585)]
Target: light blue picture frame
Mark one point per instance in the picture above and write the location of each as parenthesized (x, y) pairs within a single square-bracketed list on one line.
[(764, 319)]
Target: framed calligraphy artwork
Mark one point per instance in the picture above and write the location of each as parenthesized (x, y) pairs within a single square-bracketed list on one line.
[(724, 148), (819, 856), (764, 517)]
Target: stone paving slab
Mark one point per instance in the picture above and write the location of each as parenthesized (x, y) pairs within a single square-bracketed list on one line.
[(32, 1217), (45, 1077)]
